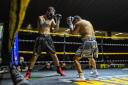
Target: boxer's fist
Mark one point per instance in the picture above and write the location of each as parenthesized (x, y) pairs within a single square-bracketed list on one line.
[(58, 17)]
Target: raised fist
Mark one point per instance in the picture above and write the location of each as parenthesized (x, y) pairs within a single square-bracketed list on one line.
[(58, 17)]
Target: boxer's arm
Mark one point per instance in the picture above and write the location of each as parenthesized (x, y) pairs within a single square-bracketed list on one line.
[(56, 23), (75, 30), (54, 26), (69, 22), (41, 20), (72, 30)]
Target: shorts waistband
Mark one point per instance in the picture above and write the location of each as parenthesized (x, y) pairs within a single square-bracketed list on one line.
[(88, 38)]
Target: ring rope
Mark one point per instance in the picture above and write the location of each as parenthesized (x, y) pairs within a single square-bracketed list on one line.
[(70, 53), (65, 35), (21, 40), (70, 35), (54, 42), (39, 62)]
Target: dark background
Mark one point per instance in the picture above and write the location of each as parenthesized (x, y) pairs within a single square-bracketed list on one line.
[(108, 15)]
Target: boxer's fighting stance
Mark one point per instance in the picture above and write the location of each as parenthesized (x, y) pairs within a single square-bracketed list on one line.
[(46, 23), (89, 48)]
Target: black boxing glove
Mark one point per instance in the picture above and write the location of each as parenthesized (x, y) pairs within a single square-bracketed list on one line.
[(58, 17), (50, 16)]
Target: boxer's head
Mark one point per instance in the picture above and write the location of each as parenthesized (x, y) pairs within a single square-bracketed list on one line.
[(76, 19), (50, 13), (21, 59)]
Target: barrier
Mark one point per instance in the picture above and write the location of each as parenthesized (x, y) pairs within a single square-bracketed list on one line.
[(101, 43)]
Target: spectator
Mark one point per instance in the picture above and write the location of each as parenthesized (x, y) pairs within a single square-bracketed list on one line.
[(0, 63), (29, 27), (63, 65), (1, 66), (22, 66), (47, 66), (0, 60)]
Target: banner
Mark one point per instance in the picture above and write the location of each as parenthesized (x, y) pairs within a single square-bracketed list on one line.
[(17, 14), (15, 49)]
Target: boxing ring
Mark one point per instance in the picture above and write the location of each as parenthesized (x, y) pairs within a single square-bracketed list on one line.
[(65, 50), (110, 74), (107, 77)]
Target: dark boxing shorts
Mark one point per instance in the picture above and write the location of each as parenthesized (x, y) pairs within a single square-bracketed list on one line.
[(88, 48), (44, 43)]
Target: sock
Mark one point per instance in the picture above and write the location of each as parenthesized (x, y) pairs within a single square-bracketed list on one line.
[(81, 75), (94, 70)]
